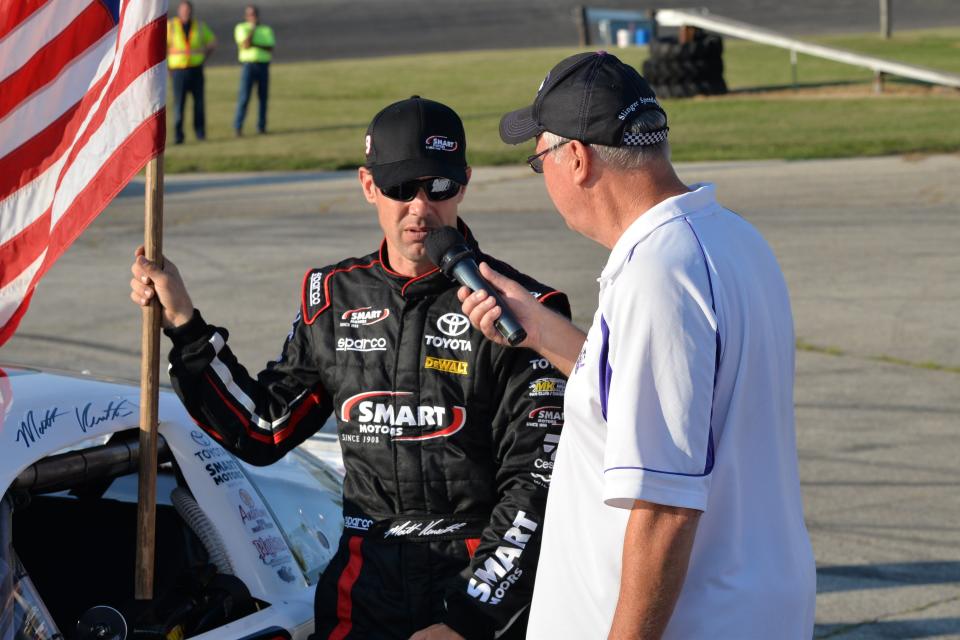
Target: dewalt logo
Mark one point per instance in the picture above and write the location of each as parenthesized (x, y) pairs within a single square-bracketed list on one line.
[(458, 367)]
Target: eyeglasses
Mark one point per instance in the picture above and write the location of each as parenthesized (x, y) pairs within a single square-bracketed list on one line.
[(436, 189), (536, 160)]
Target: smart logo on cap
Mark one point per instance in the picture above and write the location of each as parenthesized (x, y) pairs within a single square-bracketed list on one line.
[(441, 143)]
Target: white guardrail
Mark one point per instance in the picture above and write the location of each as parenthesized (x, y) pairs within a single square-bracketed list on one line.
[(705, 20)]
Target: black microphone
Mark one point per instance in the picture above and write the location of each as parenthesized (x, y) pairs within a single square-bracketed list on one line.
[(448, 250)]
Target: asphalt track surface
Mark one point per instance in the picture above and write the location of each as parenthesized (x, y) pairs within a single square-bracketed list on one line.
[(869, 249), (322, 29)]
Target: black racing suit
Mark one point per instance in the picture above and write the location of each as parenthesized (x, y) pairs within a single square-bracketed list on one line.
[(447, 439)]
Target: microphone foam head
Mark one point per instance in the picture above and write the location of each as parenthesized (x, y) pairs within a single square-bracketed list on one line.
[(439, 241)]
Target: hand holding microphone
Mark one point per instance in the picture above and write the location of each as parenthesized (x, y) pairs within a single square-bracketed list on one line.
[(448, 250)]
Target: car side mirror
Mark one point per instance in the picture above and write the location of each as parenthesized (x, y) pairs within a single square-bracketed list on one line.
[(101, 623)]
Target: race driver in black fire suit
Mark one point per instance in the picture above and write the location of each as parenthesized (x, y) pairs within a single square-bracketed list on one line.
[(447, 438)]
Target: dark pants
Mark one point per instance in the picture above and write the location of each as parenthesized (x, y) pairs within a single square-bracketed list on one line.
[(189, 80), (254, 73)]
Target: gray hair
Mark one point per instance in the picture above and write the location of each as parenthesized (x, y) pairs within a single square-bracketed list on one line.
[(626, 158)]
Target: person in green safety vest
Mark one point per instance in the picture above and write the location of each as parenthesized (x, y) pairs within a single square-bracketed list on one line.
[(189, 43), (255, 44)]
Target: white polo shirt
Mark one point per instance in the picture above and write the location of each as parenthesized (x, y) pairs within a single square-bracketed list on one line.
[(683, 396)]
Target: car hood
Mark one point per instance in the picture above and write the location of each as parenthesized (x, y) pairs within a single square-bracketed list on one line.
[(42, 413)]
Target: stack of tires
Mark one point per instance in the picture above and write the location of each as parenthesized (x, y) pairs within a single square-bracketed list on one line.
[(684, 69)]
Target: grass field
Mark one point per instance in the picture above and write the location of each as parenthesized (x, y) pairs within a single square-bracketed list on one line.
[(319, 110)]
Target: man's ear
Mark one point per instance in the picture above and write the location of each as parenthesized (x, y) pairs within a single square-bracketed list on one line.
[(580, 158), (463, 191), (366, 183)]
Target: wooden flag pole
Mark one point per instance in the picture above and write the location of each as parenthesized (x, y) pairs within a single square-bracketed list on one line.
[(149, 388)]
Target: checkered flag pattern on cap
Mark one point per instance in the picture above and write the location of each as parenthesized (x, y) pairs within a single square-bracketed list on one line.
[(644, 139)]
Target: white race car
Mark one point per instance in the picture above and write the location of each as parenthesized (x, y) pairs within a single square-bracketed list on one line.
[(238, 548)]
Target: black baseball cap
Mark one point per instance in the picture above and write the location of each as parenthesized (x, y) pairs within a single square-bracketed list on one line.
[(416, 138), (591, 97)]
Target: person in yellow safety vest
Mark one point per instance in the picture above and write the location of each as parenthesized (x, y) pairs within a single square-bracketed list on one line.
[(189, 43), (255, 43)]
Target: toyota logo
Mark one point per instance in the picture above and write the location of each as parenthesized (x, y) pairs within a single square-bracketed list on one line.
[(453, 324)]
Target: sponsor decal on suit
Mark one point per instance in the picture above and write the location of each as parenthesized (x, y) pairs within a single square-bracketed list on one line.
[(373, 415), (547, 387), (363, 317), (499, 572), (544, 417), (458, 367)]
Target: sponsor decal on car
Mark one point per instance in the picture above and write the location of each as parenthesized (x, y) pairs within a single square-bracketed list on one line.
[(441, 143), (547, 387), (224, 471), (458, 367), (253, 516), (272, 550), (376, 417), (544, 417), (362, 344), (499, 572), (362, 317), (200, 438)]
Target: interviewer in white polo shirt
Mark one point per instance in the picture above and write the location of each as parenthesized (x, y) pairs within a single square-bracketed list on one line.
[(675, 507)]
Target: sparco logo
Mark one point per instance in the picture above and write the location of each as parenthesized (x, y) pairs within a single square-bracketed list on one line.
[(363, 316), (453, 324), (374, 417), (362, 344), (316, 288), (441, 143), (352, 522)]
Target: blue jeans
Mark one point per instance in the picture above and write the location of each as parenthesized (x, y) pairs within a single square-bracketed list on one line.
[(189, 80), (254, 73)]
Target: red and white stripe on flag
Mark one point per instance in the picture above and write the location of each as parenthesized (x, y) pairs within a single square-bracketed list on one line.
[(82, 95)]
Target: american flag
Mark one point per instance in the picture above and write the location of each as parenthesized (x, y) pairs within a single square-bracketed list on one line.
[(82, 93)]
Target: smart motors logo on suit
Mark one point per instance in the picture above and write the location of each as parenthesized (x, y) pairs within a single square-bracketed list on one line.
[(450, 325), (363, 317), (374, 416)]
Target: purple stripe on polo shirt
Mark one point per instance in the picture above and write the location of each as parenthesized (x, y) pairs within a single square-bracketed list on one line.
[(606, 371), (708, 466)]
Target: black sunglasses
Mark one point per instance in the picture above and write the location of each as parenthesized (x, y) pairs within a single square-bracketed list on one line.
[(436, 189), (536, 160)]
